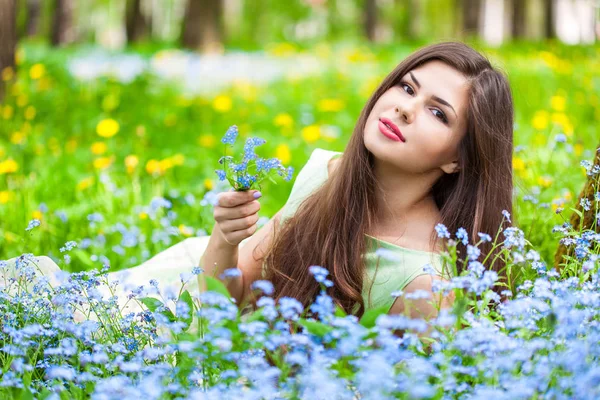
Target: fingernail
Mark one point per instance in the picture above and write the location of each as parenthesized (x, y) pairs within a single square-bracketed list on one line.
[(257, 194)]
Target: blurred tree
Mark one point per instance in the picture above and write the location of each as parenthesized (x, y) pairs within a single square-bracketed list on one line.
[(518, 18), (136, 24), (203, 26), (370, 19), (8, 40), (471, 11), (34, 11), (549, 15), (63, 31)]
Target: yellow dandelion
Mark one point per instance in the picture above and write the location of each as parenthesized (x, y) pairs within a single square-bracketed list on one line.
[(208, 141), (5, 196), (518, 164), (282, 49), (22, 100), (7, 74), (544, 181), (311, 133), (540, 120), (85, 183), (107, 128), (30, 113), (178, 159), (37, 214), (143, 215), (103, 162), (283, 153), (567, 195), (37, 71), (166, 164), (153, 167), (186, 230), (44, 84), (558, 103), (2, 151), (98, 148), (330, 105), (131, 161), (7, 112), (283, 120), (8, 166), (17, 137), (209, 184), (578, 149), (222, 103)]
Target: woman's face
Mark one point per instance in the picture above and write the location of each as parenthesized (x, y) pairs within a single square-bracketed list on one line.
[(428, 105)]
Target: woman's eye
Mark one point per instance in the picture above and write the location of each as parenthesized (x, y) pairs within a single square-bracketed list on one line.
[(442, 115), (408, 86)]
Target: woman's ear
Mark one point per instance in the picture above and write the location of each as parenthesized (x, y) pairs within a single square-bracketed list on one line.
[(451, 168)]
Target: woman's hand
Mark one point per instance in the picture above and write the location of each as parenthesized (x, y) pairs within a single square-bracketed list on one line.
[(236, 215)]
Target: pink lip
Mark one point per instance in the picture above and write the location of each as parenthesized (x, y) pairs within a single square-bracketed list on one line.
[(389, 125)]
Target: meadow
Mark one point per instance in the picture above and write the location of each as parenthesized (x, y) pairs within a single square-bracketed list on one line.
[(126, 168)]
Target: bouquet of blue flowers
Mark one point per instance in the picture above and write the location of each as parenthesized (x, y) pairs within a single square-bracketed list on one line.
[(252, 169)]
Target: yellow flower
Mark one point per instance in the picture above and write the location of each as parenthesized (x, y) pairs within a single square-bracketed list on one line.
[(578, 149), (22, 100), (37, 71), (107, 128), (8, 166), (37, 214), (131, 161), (30, 113), (283, 153), (209, 184), (558, 103), (282, 49), (2, 151), (518, 164), (567, 195), (540, 120), (153, 167), (85, 183), (140, 130), (539, 139), (17, 137), (143, 215), (103, 162), (98, 148), (330, 105), (186, 230), (7, 112), (208, 141), (178, 159), (7, 74), (5, 196), (311, 133), (544, 181), (283, 120), (222, 103)]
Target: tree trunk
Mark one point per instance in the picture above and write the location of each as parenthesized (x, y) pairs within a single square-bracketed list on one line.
[(370, 19), (62, 23), (549, 16), (8, 38), (203, 26), (471, 10), (33, 17), (591, 187), (518, 18), (136, 25)]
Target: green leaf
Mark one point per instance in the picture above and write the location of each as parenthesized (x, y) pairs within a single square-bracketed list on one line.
[(187, 298), (315, 327), (369, 317), (339, 312), (577, 212), (215, 285), (155, 304)]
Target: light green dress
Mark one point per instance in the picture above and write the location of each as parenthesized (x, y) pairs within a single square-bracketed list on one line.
[(385, 274), (168, 266)]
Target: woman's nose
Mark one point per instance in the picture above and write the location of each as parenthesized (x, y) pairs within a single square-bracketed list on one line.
[(406, 113)]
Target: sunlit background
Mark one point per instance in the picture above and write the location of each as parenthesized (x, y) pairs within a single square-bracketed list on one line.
[(112, 111)]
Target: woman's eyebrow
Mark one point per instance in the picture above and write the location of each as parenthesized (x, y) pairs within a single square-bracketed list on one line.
[(434, 97)]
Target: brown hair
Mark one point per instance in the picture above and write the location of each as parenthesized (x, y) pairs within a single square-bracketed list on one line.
[(329, 226)]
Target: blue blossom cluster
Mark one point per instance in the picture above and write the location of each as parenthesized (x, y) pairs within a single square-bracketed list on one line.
[(252, 170)]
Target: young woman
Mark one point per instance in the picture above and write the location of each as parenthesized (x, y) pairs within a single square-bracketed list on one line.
[(432, 145)]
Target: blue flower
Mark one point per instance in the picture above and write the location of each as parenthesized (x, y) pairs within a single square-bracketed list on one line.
[(506, 215), (442, 231), (221, 174), (34, 223), (463, 235), (230, 135), (265, 286), (251, 143), (290, 308), (320, 275), (485, 237)]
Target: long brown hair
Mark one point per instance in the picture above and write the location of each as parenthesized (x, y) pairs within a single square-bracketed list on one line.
[(329, 226)]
